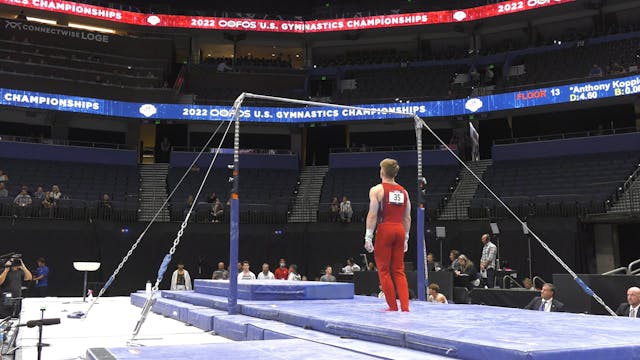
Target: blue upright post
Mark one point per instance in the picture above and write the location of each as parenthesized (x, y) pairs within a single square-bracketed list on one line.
[(419, 205), (422, 271), (234, 233)]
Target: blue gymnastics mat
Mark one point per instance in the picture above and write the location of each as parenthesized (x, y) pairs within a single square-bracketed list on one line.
[(465, 331), (269, 349), (278, 289), (459, 331)]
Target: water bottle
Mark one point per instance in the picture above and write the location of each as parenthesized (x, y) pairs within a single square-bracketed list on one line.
[(147, 288)]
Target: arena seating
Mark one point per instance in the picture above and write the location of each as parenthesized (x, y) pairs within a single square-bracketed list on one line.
[(81, 185), (575, 62), (265, 193), (41, 61), (355, 183), (558, 186), (210, 85)]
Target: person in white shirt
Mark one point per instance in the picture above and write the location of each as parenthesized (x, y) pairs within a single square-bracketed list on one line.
[(293, 273), (180, 280), (265, 274), (351, 267), (246, 274)]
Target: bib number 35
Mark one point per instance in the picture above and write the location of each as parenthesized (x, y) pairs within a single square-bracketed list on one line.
[(396, 197)]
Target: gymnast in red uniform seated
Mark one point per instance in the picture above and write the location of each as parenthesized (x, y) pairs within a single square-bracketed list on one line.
[(390, 209)]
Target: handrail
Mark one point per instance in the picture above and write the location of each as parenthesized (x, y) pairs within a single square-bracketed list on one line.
[(568, 135), (65, 142), (512, 280), (631, 265), (617, 270), (539, 279), (367, 149)]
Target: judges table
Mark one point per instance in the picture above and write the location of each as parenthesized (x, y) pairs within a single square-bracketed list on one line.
[(366, 282), (513, 298)]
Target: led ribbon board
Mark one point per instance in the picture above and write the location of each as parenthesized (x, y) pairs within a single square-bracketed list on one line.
[(507, 101), (284, 26)]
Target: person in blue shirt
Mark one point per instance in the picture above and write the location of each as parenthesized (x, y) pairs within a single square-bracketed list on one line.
[(41, 278)]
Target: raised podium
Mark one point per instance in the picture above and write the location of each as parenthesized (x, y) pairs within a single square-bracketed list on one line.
[(85, 266)]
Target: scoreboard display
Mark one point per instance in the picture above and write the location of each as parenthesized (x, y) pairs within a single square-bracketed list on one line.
[(587, 91)]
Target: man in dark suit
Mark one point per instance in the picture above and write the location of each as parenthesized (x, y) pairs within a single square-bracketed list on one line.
[(545, 302), (632, 307)]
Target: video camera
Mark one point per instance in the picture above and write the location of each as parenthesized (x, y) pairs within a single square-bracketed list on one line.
[(13, 258)]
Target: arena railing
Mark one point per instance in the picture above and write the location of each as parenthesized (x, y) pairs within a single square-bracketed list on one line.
[(243, 151), (381, 148), (66, 142), (569, 135), (250, 213), (72, 209)]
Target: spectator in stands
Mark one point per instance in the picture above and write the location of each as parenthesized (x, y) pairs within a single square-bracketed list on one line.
[(104, 206), (474, 75), (217, 210), (3, 191), (528, 284), (42, 278), (165, 150), (23, 199), (293, 273), (596, 71), (21, 15), (467, 276), (221, 273), (48, 201), (246, 273), (187, 205), (334, 209), (282, 272), (3, 177), (180, 280), (351, 267), (432, 265), (346, 211), (489, 75), (265, 274), (55, 193), (453, 256), (617, 69), (222, 66), (545, 302), (328, 275), (488, 261), (371, 266), (435, 296), (195, 168), (632, 307), (39, 194)]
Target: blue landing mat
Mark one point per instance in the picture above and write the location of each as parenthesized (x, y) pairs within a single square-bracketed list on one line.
[(278, 289), (271, 349), (464, 331)]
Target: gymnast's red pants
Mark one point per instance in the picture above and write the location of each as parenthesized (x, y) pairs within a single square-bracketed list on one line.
[(389, 255)]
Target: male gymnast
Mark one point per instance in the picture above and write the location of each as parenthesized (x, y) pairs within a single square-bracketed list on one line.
[(390, 208)]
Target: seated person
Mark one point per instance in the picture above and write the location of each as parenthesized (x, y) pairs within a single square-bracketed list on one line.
[(632, 307), (528, 284), (351, 267), (467, 276), (432, 265), (435, 296), (293, 273), (545, 302), (246, 273)]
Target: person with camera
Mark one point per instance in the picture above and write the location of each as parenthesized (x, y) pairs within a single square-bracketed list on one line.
[(11, 279)]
